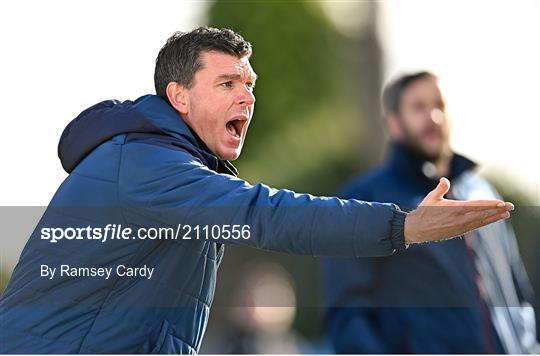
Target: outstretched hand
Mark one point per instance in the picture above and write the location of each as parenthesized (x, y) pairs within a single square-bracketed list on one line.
[(437, 218)]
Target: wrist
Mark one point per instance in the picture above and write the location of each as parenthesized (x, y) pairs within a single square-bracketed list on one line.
[(397, 236), (410, 231)]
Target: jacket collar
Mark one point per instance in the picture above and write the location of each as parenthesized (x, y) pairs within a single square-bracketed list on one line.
[(167, 119), (408, 164), (163, 116)]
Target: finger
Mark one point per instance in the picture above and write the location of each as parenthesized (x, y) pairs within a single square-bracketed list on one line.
[(479, 218), (482, 214), (489, 219), (476, 205), (440, 190), (480, 203)]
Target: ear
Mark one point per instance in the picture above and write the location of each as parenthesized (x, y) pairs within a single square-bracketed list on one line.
[(393, 126), (177, 95)]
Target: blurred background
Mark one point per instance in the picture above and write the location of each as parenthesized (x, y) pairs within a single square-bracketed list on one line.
[(321, 67)]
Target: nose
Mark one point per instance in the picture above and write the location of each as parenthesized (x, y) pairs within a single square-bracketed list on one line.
[(246, 96), (437, 116)]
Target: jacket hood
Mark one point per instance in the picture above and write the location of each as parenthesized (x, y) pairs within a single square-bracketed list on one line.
[(148, 114)]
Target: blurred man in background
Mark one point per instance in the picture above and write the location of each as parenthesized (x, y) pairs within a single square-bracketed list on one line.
[(467, 295)]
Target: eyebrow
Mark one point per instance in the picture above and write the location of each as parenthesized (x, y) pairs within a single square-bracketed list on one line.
[(235, 76)]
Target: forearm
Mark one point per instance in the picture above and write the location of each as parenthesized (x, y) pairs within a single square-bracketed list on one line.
[(279, 220)]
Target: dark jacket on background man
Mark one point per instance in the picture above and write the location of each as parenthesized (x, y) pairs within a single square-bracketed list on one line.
[(137, 164), (447, 297)]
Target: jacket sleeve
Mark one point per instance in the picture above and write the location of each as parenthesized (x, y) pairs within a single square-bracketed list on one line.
[(519, 274), (524, 289), (184, 191)]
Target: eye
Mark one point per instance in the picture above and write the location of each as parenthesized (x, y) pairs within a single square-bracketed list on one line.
[(250, 85), (418, 106), (228, 84)]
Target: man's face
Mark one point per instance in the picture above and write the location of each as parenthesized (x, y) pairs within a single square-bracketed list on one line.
[(221, 103), (418, 125)]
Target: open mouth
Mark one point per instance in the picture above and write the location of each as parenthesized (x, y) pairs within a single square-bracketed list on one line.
[(235, 127)]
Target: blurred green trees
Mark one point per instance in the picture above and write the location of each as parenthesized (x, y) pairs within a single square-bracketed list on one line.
[(306, 126), (312, 128)]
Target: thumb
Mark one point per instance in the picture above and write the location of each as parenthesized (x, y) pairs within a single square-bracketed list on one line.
[(442, 188)]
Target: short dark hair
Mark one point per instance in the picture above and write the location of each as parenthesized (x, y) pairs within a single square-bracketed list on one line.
[(393, 91), (179, 59)]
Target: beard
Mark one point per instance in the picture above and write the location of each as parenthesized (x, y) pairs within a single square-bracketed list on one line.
[(413, 142)]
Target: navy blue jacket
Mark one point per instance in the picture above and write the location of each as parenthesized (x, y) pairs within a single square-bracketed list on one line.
[(137, 164), (425, 300)]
